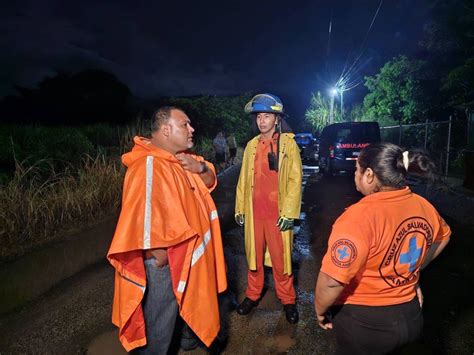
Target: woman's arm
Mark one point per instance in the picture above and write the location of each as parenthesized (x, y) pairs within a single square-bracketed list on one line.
[(326, 293), (434, 251)]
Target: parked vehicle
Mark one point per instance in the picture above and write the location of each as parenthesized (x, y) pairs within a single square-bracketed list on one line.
[(341, 143), (311, 152), (303, 139)]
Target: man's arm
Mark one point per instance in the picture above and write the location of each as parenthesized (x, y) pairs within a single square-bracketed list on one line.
[(326, 293), (206, 174), (197, 167)]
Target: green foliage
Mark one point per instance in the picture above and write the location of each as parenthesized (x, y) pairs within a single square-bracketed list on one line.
[(396, 93), (210, 114), (102, 134), (449, 45), (451, 31), (318, 111), (459, 85), (62, 145), (356, 113)]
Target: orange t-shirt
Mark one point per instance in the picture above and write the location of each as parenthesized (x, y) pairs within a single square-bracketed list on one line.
[(378, 245), (265, 192)]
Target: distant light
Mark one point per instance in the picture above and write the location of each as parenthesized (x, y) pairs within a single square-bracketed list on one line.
[(333, 91)]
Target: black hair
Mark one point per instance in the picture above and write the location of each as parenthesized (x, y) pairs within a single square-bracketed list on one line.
[(161, 116), (285, 127), (386, 161)]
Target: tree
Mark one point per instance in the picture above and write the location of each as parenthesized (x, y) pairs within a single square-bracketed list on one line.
[(357, 113), (210, 114), (459, 85), (449, 45), (317, 114), (449, 36), (396, 93)]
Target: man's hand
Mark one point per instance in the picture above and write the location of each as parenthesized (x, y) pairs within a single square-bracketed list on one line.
[(197, 167), (285, 223), (189, 163), (161, 256), (323, 322), (240, 219)]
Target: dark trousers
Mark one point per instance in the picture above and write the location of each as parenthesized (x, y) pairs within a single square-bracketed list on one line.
[(376, 330), (160, 309)]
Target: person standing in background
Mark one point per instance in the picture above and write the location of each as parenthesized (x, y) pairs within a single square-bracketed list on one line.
[(220, 147), (232, 144)]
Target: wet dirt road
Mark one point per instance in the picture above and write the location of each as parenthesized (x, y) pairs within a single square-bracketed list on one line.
[(75, 316)]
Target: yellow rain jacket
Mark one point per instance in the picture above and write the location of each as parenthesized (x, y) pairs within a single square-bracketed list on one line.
[(289, 196), (164, 206)]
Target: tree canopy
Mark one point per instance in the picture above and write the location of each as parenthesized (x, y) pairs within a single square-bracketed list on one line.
[(396, 93), (449, 46), (211, 114), (459, 85)]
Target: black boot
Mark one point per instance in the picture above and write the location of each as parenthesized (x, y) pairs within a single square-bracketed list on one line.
[(246, 306), (291, 313)]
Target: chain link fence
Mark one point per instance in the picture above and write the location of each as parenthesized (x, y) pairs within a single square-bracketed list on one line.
[(436, 137)]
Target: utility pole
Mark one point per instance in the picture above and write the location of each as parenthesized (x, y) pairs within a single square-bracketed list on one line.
[(332, 93), (342, 104), (331, 110)]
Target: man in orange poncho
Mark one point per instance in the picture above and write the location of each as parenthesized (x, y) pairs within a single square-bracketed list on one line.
[(167, 248)]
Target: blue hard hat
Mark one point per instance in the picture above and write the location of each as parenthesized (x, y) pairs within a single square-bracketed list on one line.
[(264, 103)]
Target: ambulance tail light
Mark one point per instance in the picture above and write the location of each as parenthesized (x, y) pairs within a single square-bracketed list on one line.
[(331, 151)]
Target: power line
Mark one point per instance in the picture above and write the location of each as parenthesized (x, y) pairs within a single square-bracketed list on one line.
[(354, 68)]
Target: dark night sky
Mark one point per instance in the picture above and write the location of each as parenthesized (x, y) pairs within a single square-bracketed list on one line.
[(207, 47)]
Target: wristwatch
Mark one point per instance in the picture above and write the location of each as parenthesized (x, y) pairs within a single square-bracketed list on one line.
[(204, 168)]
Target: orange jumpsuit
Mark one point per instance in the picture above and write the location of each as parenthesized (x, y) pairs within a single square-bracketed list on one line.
[(267, 234)]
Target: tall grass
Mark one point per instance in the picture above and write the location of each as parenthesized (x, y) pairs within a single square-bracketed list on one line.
[(35, 209), (43, 199)]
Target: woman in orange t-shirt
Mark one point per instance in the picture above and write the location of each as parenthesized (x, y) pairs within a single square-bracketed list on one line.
[(375, 253)]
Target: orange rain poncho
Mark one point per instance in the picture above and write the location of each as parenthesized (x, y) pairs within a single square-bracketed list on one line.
[(164, 206)]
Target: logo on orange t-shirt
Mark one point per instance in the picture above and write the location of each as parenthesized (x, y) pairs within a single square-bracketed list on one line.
[(343, 252), (407, 250)]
